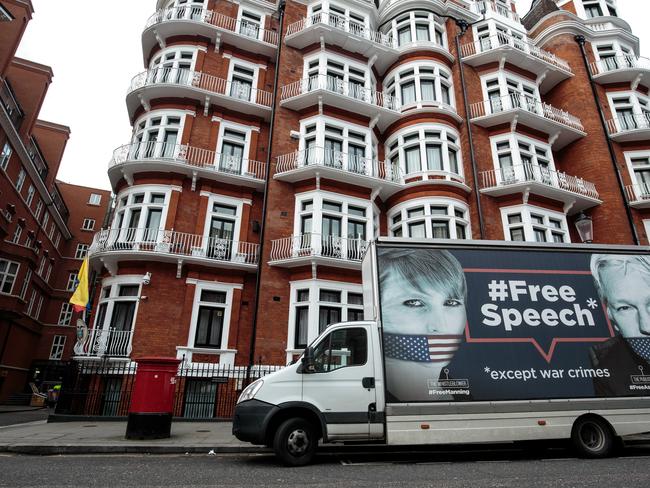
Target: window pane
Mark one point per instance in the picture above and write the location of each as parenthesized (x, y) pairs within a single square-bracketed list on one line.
[(355, 299), (213, 296), (330, 296), (129, 290), (302, 327)]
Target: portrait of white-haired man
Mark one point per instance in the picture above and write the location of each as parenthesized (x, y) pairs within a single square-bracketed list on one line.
[(623, 283)]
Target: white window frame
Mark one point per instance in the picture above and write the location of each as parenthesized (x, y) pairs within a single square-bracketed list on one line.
[(113, 284), (528, 225), (315, 286), (72, 281), (9, 277), (503, 76), (241, 22), (81, 251), (25, 285), (57, 241), (234, 62), (414, 17), (39, 209), (603, 4), (635, 103), (20, 180), (619, 49), (640, 192), (65, 315), (142, 146), (95, 199), (88, 224), (18, 231), (58, 346), (41, 266), (228, 289), (122, 213), (395, 78), (238, 203), (519, 172), (646, 226), (159, 57), (30, 195), (322, 57), (451, 204), (5, 156), (446, 132), (222, 163)]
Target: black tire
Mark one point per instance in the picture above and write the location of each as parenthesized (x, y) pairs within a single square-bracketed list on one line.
[(592, 438), (295, 442)]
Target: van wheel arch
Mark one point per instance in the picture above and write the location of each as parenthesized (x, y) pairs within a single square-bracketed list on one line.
[(296, 410), (593, 436)]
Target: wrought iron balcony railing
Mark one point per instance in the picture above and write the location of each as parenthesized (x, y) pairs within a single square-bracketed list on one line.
[(628, 123), (11, 105), (616, 63), (482, 6), (350, 163), (639, 193), (528, 173), (195, 79), (354, 91), (105, 343), (317, 245), (220, 21), (502, 40), (188, 155), (172, 243), (519, 101), (37, 158)]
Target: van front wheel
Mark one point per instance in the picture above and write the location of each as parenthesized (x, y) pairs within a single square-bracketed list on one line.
[(295, 442), (592, 438)]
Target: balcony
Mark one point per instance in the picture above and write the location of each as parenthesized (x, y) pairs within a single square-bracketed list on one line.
[(627, 128), (549, 69), (104, 343), (638, 196), (576, 193), (11, 105), (188, 160), (305, 249), (344, 32), (35, 155), (194, 85), (347, 96), (196, 21), (516, 108), (620, 69), (336, 165), (111, 246), (491, 8)]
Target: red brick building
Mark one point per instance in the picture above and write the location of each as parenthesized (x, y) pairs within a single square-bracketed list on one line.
[(46, 226), (448, 119)]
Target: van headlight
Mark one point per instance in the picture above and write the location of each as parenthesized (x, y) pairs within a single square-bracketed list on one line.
[(250, 391)]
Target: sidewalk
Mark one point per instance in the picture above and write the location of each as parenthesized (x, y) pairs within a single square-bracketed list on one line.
[(101, 437), (92, 437)]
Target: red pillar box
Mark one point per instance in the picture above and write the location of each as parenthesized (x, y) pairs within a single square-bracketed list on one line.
[(152, 400)]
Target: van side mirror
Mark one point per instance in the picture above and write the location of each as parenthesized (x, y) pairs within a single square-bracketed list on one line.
[(308, 365)]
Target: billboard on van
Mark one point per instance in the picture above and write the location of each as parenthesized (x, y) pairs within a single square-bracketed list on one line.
[(499, 323)]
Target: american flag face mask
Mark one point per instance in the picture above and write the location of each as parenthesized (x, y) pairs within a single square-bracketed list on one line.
[(421, 348)]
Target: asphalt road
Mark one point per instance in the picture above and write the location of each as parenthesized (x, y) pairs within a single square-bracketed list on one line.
[(494, 468)]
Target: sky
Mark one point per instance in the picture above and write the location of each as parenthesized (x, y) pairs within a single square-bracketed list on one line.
[(94, 53)]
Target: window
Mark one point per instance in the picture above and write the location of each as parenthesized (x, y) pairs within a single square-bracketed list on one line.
[(116, 313), (211, 316), (8, 272), (209, 326), (82, 250), (35, 304), (332, 225), (250, 24), (338, 74), (638, 164), (156, 135), (17, 233), (20, 180), (233, 148), (331, 142), (39, 209), (41, 266), (23, 289), (315, 304), (223, 221), (243, 80), (140, 214), (30, 195), (341, 348), (5, 156), (58, 345), (95, 199), (65, 315), (518, 158), (419, 27), (72, 281), (172, 65), (593, 8), (88, 224), (5, 15), (426, 148), (534, 224), (421, 83), (631, 109), (430, 218)]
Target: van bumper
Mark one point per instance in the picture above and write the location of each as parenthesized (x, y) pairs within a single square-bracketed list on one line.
[(251, 420)]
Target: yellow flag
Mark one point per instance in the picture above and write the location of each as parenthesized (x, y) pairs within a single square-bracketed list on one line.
[(79, 299)]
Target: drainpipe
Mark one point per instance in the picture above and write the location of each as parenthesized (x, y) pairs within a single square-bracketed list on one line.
[(463, 26), (635, 236), (258, 276)]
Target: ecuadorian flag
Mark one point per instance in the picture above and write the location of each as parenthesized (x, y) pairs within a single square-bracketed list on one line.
[(79, 299)]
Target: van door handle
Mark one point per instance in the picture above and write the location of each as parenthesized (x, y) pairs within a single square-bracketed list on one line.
[(368, 382)]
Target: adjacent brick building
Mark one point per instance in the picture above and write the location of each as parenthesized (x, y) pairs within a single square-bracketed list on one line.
[(45, 225), (448, 119)]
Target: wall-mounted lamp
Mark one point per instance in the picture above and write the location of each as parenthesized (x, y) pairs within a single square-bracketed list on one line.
[(585, 227), (146, 279)]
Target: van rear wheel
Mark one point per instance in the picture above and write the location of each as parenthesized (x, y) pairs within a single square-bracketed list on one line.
[(295, 442), (592, 438)]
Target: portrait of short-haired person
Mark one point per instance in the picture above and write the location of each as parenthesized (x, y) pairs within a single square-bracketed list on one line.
[(423, 296), (623, 283)]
